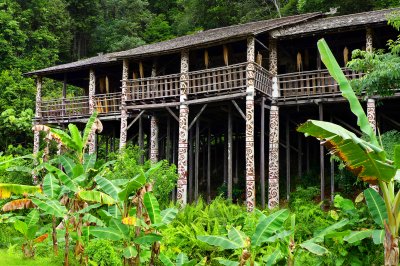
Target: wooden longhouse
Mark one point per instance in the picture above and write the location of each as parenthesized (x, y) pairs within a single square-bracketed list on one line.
[(223, 104)]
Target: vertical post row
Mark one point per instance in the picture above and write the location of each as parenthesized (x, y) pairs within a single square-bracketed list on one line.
[(273, 164), (183, 130), (92, 91), (250, 171), (36, 133), (153, 139), (124, 113)]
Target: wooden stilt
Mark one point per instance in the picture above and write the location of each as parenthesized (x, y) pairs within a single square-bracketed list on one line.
[(237, 139), (209, 165), (168, 141), (92, 108), (154, 139), (273, 173), (197, 165), (190, 185), (225, 159), (262, 153), (230, 153), (321, 156), (174, 145), (141, 141), (124, 112), (308, 155), (332, 176), (287, 158), (299, 155)]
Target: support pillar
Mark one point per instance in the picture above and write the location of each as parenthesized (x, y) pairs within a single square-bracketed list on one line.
[(273, 173), (196, 158), (209, 165), (230, 153), (287, 158), (250, 93), (273, 164), (124, 112), (369, 40), (153, 139), (262, 153), (36, 134), (321, 156), (183, 130), (92, 108), (371, 115), (141, 141)]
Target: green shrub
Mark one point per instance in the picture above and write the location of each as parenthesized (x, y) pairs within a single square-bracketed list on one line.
[(8, 235), (102, 253)]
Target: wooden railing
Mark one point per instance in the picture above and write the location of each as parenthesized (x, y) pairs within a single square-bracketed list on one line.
[(79, 106), (263, 80), (311, 84), (69, 107), (221, 80), (153, 88), (108, 103)]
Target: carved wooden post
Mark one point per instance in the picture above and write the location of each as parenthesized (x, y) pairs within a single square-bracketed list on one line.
[(36, 134), (273, 165), (153, 139), (370, 102), (92, 107), (368, 40), (124, 113), (183, 130), (250, 169)]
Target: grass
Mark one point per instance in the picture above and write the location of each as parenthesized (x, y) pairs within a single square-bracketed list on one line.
[(14, 258)]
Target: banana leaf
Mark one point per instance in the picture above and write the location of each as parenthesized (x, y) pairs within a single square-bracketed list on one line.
[(6, 190), (365, 160)]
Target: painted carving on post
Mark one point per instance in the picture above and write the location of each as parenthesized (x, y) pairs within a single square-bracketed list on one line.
[(124, 114), (153, 139), (273, 57), (183, 131), (92, 91), (183, 154), (36, 134), (273, 188), (371, 113), (368, 40), (250, 170)]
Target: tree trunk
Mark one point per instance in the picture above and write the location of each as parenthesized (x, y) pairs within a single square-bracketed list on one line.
[(54, 236), (66, 251), (391, 246)]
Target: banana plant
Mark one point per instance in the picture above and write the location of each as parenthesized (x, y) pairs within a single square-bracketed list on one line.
[(266, 231), (181, 260), (135, 219), (365, 158), (29, 229)]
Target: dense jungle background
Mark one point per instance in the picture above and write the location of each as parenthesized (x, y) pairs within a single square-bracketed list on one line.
[(39, 33)]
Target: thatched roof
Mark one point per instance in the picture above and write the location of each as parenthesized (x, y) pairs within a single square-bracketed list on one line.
[(212, 36), (84, 63), (199, 39), (335, 23)]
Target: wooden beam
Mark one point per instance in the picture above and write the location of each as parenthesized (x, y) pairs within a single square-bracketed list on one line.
[(262, 153), (209, 165), (230, 153), (190, 166), (168, 142), (196, 101), (134, 120), (196, 158), (332, 177), (172, 113), (238, 109), (321, 155), (141, 142), (197, 116), (287, 159)]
